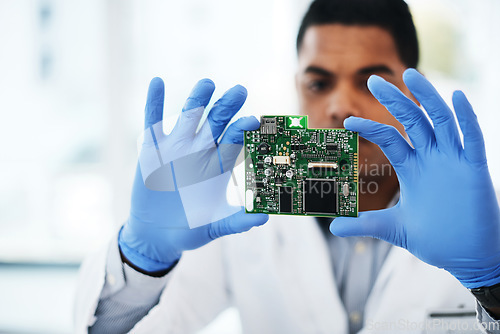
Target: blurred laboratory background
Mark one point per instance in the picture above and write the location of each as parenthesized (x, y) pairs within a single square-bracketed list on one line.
[(73, 81)]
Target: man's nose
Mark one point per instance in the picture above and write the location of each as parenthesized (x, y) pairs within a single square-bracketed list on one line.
[(343, 103)]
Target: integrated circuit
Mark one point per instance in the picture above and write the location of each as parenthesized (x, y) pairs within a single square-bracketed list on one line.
[(320, 196), (293, 170)]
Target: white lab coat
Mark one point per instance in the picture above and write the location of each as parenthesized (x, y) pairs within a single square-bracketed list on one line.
[(280, 278)]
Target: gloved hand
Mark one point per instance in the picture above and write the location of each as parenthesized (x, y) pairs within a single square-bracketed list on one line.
[(189, 189), (447, 214)]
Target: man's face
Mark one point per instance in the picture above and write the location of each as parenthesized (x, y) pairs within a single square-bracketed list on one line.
[(335, 62)]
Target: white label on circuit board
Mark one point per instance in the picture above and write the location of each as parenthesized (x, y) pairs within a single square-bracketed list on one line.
[(249, 200)]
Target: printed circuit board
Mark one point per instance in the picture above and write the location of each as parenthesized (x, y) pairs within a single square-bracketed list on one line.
[(293, 170)]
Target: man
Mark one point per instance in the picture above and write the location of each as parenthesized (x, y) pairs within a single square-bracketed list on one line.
[(292, 275)]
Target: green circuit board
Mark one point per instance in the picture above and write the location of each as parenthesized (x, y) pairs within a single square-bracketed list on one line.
[(293, 170)]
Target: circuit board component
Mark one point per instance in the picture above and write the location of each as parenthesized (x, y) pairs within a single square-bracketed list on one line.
[(293, 170)]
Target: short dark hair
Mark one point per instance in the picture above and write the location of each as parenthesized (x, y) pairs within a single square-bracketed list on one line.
[(391, 15)]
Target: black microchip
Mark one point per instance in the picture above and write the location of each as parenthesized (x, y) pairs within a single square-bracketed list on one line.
[(259, 165), (285, 194), (298, 147), (320, 196), (332, 147), (259, 184)]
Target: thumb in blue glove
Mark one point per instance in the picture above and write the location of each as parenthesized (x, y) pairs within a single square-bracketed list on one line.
[(178, 198), (447, 214)]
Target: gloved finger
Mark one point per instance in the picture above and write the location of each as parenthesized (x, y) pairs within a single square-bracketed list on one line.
[(234, 133), (154, 102), (416, 124), (445, 127), (380, 224), (237, 223), (232, 141), (225, 108), (394, 146), (200, 95), (473, 137), (193, 109)]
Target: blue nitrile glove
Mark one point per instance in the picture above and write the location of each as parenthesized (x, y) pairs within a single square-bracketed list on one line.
[(158, 229), (447, 214)]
